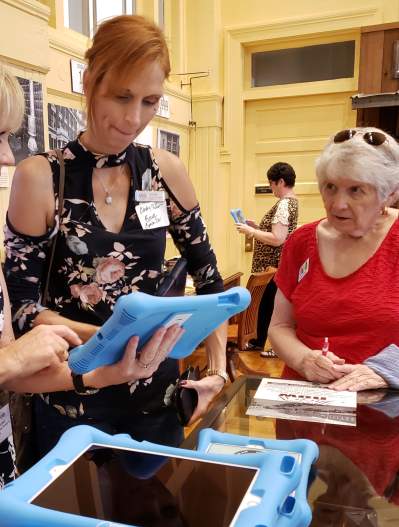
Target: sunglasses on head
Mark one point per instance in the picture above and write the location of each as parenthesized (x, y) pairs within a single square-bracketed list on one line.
[(371, 138)]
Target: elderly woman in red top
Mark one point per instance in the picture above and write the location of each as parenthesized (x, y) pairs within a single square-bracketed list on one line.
[(337, 302)]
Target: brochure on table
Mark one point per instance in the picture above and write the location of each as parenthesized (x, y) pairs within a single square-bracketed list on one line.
[(302, 400)]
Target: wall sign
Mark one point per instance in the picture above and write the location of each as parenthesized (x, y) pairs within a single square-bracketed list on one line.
[(164, 108), (77, 69)]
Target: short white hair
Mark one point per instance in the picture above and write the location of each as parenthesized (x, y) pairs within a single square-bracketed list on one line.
[(12, 104), (377, 166)]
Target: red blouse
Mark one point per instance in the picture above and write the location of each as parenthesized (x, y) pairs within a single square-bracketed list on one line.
[(358, 313)]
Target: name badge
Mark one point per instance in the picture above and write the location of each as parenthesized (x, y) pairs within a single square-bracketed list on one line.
[(303, 269), (152, 214), (149, 195), (5, 423)]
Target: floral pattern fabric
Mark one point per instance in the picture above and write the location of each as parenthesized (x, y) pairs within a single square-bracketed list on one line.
[(93, 267), (285, 211)]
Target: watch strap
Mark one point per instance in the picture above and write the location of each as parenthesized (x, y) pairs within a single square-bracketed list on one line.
[(79, 386)]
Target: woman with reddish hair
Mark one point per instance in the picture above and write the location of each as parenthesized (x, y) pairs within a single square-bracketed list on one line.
[(105, 245)]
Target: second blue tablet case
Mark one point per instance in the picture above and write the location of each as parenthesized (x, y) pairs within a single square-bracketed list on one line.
[(275, 498), (141, 314)]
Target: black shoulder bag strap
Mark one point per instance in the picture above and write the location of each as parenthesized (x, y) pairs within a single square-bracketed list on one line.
[(61, 184)]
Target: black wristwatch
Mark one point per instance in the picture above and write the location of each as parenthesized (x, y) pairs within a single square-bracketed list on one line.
[(80, 388)]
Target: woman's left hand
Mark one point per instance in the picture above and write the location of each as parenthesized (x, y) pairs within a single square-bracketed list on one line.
[(207, 389), (357, 377), (245, 229)]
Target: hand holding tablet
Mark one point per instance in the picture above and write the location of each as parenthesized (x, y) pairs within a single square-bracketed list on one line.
[(141, 315)]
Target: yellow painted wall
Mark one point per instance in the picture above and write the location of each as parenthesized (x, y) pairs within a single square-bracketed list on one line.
[(263, 125), (236, 130)]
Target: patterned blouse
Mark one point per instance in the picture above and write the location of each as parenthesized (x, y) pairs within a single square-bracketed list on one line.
[(285, 211), (7, 451), (93, 267)]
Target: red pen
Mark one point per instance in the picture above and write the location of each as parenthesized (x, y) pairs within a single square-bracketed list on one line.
[(326, 346)]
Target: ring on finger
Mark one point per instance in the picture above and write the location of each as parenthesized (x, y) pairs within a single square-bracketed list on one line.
[(143, 365), (64, 355)]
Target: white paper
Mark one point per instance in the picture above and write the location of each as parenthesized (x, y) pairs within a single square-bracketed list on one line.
[(286, 393), (303, 413), (152, 215)]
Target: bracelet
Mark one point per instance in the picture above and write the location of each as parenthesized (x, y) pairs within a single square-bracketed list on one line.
[(220, 373), (79, 386)]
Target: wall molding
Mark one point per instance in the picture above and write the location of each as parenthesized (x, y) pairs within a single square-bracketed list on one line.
[(69, 42), (290, 26), (80, 99), (175, 92), (208, 97), (32, 7), (24, 65)]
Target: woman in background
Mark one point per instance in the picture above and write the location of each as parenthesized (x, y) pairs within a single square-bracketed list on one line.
[(275, 227)]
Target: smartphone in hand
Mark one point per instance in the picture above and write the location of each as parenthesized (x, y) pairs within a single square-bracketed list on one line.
[(184, 399), (238, 215)]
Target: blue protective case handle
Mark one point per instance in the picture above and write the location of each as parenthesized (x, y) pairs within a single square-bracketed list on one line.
[(279, 475), (293, 511), (141, 314)]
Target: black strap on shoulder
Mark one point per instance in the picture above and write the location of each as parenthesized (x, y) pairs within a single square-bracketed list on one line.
[(61, 184)]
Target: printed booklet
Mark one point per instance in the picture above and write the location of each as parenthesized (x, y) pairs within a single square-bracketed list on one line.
[(302, 400)]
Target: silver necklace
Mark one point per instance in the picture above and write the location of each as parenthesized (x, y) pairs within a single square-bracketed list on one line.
[(107, 191)]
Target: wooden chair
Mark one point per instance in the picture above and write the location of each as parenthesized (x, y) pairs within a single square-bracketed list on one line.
[(246, 328)]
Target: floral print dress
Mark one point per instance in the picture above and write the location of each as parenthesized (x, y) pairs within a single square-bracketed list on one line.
[(93, 267), (7, 451)]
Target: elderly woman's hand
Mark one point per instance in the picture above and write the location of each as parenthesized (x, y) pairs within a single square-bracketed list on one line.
[(252, 223), (318, 367), (357, 377), (243, 228)]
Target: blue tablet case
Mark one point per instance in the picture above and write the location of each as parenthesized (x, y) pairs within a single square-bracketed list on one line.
[(141, 314), (271, 502), (295, 511)]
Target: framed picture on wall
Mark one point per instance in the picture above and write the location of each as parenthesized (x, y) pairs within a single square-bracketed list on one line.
[(64, 124), (169, 141), (29, 139), (77, 69)]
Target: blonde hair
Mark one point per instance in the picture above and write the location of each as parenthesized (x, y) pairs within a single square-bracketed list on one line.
[(377, 166), (121, 46), (12, 104)]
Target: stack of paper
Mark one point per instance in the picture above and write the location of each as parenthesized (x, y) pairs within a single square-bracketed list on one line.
[(302, 400)]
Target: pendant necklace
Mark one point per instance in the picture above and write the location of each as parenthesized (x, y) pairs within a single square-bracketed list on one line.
[(107, 191)]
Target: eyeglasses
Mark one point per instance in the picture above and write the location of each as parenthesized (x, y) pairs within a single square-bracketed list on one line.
[(371, 138)]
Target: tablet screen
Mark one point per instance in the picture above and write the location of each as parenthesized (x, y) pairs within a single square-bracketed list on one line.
[(148, 490)]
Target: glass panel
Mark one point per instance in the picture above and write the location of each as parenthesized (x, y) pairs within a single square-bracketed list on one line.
[(161, 13), (169, 142), (307, 64), (76, 17), (106, 9), (148, 490), (130, 7)]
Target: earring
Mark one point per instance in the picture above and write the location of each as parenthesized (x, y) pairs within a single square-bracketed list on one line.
[(384, 211)]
